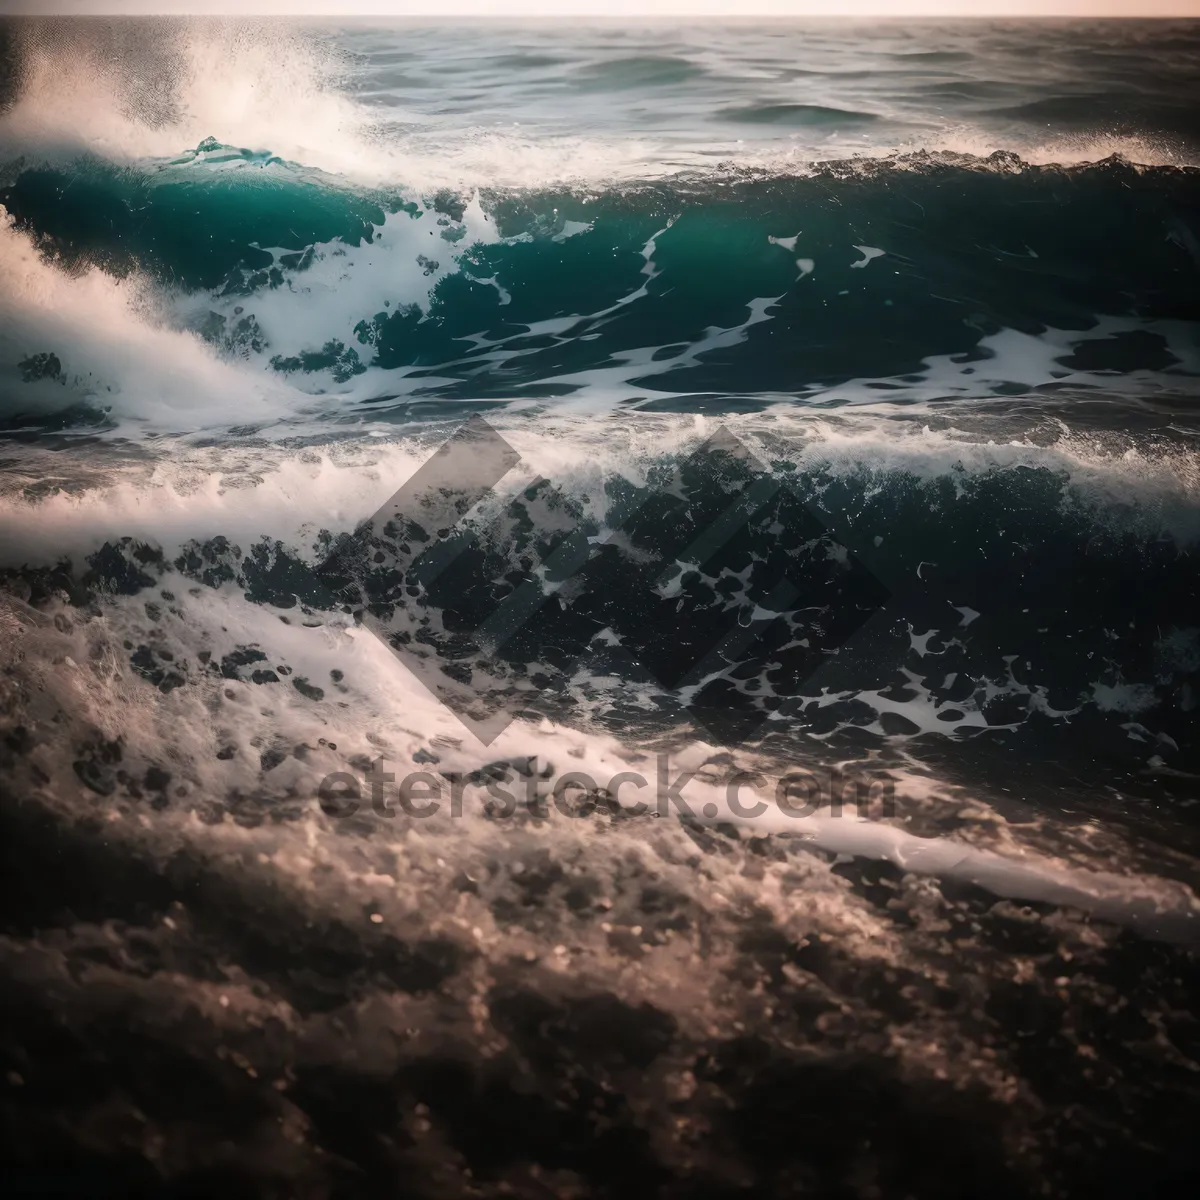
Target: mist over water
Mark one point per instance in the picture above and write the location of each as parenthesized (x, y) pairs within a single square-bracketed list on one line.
[(844, 379)]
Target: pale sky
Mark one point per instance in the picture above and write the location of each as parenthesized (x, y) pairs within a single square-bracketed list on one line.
[(619, 8)]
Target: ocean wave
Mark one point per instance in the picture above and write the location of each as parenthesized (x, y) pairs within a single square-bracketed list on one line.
[(922, 279), (990, 585)]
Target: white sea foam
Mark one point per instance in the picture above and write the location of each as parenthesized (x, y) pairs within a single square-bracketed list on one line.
[(245, 487), (249, 490), (211, 734), (399, 268), (115, 351), (139, 94)]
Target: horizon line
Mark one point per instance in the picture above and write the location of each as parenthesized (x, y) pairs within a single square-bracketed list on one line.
[(616, 10)]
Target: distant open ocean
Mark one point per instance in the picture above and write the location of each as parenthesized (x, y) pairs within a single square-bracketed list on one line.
[(782, 401)]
